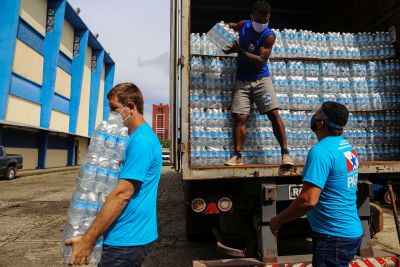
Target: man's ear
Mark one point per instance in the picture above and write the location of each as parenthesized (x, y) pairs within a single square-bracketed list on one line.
[(320, 124), (131, 106)]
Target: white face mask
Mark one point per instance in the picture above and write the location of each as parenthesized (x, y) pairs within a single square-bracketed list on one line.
[(258, 27), (120, 113)]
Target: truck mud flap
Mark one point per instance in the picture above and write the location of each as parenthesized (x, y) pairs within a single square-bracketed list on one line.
[(250, 262)]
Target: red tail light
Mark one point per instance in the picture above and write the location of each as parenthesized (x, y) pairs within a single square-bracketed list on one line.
[(211, 208)]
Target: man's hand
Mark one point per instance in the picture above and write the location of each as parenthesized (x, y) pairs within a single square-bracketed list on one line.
[(275, 225), (234, 48), (82, 248)]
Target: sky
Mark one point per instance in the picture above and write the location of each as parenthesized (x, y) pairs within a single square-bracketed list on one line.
[(136, 34)]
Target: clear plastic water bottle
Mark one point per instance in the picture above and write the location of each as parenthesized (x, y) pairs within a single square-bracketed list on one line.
[(98, 138), (121, 143), (112, 177), (89, 171), (102, 174)]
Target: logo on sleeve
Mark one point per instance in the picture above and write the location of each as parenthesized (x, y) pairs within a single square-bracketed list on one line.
[(351, 160)]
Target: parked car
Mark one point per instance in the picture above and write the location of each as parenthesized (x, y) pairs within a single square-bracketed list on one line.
[(9, 164), (165, 158)]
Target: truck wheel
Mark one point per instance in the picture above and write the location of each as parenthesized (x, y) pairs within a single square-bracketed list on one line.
[(387, 199), (10, 173), (376, 224)]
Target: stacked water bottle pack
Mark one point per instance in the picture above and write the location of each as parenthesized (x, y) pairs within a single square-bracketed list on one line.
[(219, 37), (370, 89), (301, 43), (212, 82), (361, 86), (97, 177)]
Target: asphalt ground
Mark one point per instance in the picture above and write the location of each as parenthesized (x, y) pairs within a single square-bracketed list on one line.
[(33, 210)]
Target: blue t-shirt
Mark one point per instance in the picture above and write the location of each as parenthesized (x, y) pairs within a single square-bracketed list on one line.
[(251, 41), (332, 165), (137, 224)]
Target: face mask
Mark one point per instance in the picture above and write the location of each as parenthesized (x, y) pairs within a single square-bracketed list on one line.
[(122, 118), (258, 27)]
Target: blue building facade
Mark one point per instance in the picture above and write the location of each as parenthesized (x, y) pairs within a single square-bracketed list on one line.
[(54, 78)]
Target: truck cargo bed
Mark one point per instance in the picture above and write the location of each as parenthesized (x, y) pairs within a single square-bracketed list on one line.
[(273, 170)]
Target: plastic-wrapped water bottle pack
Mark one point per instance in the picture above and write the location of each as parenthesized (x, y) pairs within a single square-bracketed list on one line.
[(369, 89), (211, 43), (97, 177), (333, 45)]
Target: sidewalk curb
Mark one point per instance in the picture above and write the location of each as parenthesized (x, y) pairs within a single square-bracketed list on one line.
[(49, 170)]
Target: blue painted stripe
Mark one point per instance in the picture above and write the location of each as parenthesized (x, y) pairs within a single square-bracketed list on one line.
[(78, 63), (9, 17), (108, 85), (51, 47), (61, 103), (95, 89), (64, 62), (30, 36), (25, 88)]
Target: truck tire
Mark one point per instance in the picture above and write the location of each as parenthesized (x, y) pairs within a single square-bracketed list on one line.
[(386, 198), (376, 224), (10, 173)]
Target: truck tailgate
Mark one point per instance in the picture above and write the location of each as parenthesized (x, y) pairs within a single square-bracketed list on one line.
[(254, 171)]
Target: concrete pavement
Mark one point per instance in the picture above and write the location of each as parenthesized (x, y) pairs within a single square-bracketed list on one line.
[(33, 209)]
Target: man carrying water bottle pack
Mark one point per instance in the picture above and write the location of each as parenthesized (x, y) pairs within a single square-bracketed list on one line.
[(128, 216), (253, 80)]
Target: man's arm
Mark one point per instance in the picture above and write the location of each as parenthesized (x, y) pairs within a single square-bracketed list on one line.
[(260, 59), (307, 200), (236, 25), (113, 206)]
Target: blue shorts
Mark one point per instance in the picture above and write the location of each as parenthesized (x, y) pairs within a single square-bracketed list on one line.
[(331, 251), (131, 256)]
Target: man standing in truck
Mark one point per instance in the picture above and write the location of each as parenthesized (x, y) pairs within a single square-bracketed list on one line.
[(329, 191), (254, 84)]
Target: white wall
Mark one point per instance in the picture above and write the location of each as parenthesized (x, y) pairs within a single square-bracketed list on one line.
[(23, 111), (56, 158), (59, 121), (67, 39), (34, 12), (29, 156), (82, 149), (28, 63)]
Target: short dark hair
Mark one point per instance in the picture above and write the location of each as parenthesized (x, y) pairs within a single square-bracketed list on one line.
[(126, 93), (336, 113), (262, 7)]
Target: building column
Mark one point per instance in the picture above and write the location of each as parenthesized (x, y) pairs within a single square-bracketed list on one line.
[(51, 46), (9, 17), (108, 85), (71, 150), (78, 63), (42, 149), (97, 67)]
